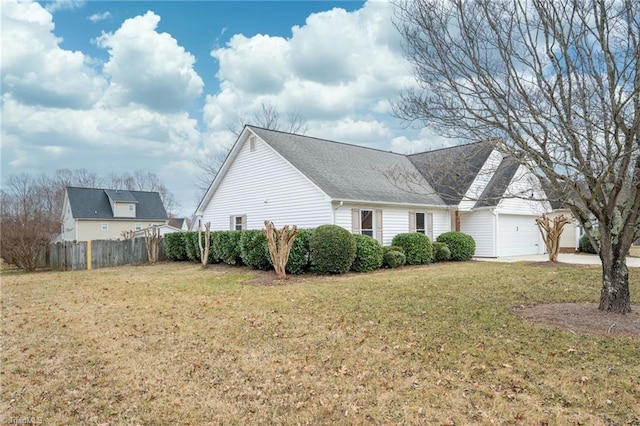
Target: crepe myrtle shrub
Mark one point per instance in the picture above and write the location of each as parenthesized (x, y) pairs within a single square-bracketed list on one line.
[(461, 245), (417, 247), (175, 246), (585, 243), (368, 254), (332, 249), (393, 259), (254, 249), (441, 252), (226, 247), (299, 259)]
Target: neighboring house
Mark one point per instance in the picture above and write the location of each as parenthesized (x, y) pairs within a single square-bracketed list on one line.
[(101, 214), (179, 223), (304, 181)]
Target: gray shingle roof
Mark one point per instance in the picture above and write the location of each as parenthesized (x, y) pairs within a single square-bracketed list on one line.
[(93, 203), (451, 171), (495, 189), (348, 172), (120, 195)]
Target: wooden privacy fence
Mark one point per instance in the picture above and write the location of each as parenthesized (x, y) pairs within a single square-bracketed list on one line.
[(74, 256)]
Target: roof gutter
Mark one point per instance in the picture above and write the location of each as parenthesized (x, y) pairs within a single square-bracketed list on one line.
[(341, 201)]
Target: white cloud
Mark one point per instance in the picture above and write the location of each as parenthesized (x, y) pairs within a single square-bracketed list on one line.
[(426, 140), (56, 5), (255, 65), (338, 67), (149, 68), (59, 112), (35, 70), (97, 17)]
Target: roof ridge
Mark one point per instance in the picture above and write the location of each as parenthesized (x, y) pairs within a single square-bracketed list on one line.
[(327, 140), (109, 189), (453, 147)]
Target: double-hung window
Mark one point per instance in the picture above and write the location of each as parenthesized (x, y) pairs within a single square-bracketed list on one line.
[(366, 223), (421, 222), (238, 222)]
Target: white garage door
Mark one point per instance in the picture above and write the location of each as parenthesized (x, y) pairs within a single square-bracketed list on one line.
[(518, 236)]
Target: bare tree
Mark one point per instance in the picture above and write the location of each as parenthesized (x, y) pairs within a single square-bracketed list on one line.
[(269, 117), (144, 181), (551, 231), (280, 243), (28, 226), (559, 83)]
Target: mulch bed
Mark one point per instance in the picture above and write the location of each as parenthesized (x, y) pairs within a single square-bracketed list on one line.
[(584, 318)]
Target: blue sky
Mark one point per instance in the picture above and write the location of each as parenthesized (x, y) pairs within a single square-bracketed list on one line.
[(122, 86)]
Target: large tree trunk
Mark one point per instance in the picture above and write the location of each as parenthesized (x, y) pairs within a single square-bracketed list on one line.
[(614, 296)]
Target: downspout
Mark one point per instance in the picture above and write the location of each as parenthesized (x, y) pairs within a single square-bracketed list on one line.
[(334, 211)]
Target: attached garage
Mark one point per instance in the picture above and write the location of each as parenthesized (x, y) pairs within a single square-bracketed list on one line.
[(499, 234), (518, 235)]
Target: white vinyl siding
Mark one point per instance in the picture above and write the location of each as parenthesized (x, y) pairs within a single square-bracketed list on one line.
[(263, 186), (522, 196), (395, 220), (481, 226)]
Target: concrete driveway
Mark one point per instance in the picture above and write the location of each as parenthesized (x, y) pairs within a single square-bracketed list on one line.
[(577, 258)]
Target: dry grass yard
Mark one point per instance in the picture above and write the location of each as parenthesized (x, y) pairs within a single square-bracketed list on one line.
[(177, 345)]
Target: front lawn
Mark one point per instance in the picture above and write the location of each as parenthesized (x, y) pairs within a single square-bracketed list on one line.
[(175, 344)]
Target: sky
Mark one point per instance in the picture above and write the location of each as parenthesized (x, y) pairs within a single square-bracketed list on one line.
[(120, 86)]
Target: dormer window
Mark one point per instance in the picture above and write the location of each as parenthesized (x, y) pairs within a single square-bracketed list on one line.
[(130, 207)]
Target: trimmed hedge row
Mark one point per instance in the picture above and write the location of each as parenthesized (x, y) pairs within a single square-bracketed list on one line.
[(328, 249)]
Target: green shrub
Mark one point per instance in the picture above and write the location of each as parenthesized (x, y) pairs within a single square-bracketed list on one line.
[(332, 249), (191, 246), (394, 259), (216, 246), (226, 247), (175, 246), (417, 247), (441, 252), (254, 250), (585, 242), (299, 261), (461, 246), (368, 254)]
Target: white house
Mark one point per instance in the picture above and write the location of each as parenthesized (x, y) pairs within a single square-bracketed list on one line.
[(304, 181)]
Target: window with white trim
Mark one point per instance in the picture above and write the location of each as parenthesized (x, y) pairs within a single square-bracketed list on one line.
[(105, 226), (366, 223), (421, 223), (238, 223), (138, 226)]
